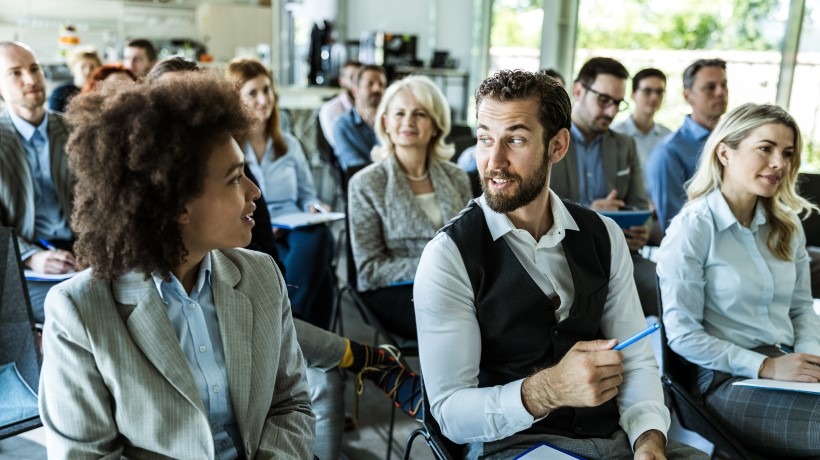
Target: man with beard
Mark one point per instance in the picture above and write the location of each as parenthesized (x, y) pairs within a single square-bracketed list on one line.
[(602, 170), (35, 182), (353, 132), (521, 298), (673, 161)]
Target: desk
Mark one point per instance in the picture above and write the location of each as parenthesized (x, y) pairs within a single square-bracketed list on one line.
[(442, 76)]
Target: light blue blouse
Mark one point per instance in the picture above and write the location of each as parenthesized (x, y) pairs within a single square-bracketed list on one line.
[(196, 324), (725, 293), (286, 182)]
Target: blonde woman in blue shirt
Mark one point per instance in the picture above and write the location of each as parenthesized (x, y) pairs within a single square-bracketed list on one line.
[(734, 277), (277, 160)]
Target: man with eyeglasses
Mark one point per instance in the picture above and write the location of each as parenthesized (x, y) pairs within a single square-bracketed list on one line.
[(648, 88), (673, 161), (602, 170)]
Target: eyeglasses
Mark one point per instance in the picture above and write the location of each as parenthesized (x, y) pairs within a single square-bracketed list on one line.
[(650, 91), (605, 100)]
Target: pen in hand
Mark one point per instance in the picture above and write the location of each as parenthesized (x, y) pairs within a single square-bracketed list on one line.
[(637, 336), (319, 208), (46, 244)]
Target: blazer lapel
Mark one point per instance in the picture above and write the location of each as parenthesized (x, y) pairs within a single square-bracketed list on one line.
[(235, 313), (570, 162), (445, 192), (153, 333), (57, 138), (609, 159), (15, 170)]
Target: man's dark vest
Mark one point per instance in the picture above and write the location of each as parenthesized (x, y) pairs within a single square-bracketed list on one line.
[(519, 334)]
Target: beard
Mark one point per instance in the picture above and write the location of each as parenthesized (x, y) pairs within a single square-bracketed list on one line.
[(528, 188)]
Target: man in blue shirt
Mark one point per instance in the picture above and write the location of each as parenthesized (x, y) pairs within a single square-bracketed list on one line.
[(601, 169), (673, 161), (35, 182), (353, 132)]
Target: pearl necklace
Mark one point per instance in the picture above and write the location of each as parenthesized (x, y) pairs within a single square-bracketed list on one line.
[(418, 178)]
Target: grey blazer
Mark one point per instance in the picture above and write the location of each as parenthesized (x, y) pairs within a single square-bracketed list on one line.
[(115, 382), (622, 171), (16, 185), (388, 230)]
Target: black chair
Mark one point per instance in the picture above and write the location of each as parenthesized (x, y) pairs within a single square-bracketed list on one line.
[(461, 136), (443, 448), (407, 347), (678, 376), (809, 187), (18, 343), (328, 157)]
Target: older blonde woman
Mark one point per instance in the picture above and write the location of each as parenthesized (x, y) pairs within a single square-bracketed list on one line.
[(734, 277), (398, 203)]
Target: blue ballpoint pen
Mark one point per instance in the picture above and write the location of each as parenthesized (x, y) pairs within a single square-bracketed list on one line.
[(637, 336), (46, 244)]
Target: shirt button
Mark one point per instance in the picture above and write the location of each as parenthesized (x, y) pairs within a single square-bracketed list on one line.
[(555, 333), (224, 443), (216, 388), (191, 306), (202, 348), (578, 429)]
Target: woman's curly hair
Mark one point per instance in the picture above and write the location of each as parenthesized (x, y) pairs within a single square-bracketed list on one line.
[(139, 153)]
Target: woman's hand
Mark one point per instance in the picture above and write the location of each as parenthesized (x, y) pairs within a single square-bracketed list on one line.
[(794, 367), (319, 208)]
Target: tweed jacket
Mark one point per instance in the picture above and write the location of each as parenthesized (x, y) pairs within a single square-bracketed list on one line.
[(115, 382), (622, 171), (16, 184), (388, 230)]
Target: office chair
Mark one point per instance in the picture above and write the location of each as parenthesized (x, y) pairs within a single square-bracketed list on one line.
[(18, 343), (678, 376), (461, 136), (443, 448), (407, 347)]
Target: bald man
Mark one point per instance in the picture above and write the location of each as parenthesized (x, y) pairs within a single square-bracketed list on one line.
[(35, 182)]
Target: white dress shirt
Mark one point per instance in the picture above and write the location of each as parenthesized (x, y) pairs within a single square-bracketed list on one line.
[(644, 142), (331, 111), (450, 338), (725, 293)]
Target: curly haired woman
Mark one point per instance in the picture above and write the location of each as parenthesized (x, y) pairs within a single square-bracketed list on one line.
[(170, 344)]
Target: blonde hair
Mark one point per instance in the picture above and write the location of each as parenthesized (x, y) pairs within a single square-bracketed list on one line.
[(731, 131), (242, 69), (83, 52), (435, 104)]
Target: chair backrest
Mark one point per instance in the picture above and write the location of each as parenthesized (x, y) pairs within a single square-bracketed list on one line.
[(442, 447), (678, 377), (328, 156), (17, 333), (809, 186)]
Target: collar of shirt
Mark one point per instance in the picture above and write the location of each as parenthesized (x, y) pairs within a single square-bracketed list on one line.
[(694, 129), (345, 100), (356, 117), (174, 287), (722, 213), (26, 129), (579, 136), (631, 130), (500, 224)]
